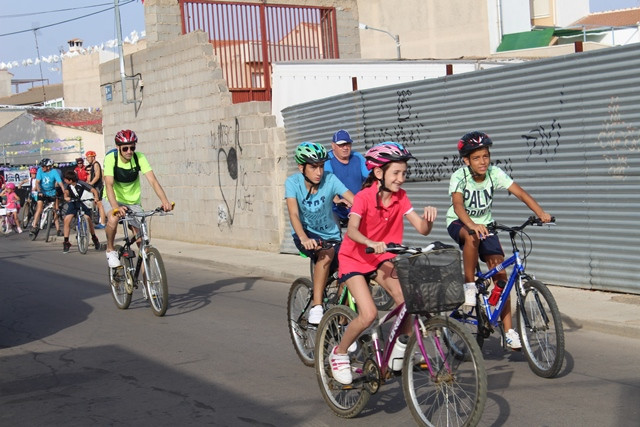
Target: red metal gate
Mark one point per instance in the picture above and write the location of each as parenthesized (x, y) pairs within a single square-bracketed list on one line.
[(243, 34)]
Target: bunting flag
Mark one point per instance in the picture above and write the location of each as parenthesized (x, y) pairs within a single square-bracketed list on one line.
[(133, 38)]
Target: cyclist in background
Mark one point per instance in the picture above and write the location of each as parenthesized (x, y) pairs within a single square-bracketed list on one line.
[(47, 181), (309, 196), (472, 188), (73, 195), (94, 171), (80, 170), (349, 166), (12, 206), (122, 170)]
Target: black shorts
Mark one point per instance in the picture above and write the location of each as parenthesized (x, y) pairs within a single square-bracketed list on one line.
[(312, 254), (489, 246)]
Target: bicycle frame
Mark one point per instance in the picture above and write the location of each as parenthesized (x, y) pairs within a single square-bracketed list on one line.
[(144, 242), (518, 273), (383, 356)]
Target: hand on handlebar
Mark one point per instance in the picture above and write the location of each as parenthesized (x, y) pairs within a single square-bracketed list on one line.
[(480, 230), (309, 244), (377, 247), (167, 207), (119, 211)]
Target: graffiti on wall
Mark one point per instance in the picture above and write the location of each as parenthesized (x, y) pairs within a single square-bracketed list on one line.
[(618, 139), (232, 176), (543, 141), (408, 130)]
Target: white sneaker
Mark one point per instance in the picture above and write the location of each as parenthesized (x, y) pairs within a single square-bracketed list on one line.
[(513, 339), (315, 314), (112, 259), (470, 294), (353, 347), (340, 367)]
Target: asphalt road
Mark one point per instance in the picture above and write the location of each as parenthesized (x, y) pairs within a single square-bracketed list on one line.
[(222, 356)]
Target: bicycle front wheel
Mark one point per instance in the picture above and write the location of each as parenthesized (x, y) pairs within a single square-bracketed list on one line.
[(47, 225), (302, 333), (118, 283), (82, 234), (543, 340), (346, 401), (156, 282), (454, 392)]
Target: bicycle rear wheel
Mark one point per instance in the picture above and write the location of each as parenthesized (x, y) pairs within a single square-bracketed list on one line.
[(302, 333), (47, 225), (457, 391), (156, 282), (346, 401), (82, 234), (118, 282), (543, 341)]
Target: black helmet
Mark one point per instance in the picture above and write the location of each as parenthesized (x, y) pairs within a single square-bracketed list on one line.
[(472, 141), (46, 162)]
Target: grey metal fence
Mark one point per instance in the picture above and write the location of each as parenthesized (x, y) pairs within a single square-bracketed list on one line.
[(567, 129)]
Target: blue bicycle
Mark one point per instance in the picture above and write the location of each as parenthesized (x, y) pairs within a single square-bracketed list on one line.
[(539, 322)]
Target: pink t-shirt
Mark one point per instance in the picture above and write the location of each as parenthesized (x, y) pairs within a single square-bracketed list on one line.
[(381, 225), (12, 200)]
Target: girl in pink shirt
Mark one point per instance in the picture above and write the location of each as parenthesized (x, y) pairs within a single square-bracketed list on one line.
[(12, 206), (376, 219)]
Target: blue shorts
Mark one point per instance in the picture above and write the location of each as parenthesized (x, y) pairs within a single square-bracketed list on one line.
[(73, 207), (489, 246)]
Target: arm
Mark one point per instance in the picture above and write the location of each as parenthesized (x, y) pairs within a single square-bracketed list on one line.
[(111, 194), (531, 203), (151, 177), (346, 198), (37, 187), (353, 231), (296, 223), (96, 175), (423, 224)]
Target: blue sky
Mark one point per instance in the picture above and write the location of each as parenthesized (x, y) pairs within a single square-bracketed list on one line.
[(24, 15), (16, 16)]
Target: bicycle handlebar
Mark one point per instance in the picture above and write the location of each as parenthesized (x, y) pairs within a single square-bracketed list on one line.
[(532, 220), (402, 249), (157, 210)]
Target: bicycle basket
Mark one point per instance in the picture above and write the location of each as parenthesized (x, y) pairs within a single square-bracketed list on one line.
[(431, 282)]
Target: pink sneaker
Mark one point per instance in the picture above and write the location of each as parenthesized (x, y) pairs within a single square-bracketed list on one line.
[(340, 367)]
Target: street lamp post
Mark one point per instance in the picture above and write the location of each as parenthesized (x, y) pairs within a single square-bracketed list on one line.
[(395, 37)]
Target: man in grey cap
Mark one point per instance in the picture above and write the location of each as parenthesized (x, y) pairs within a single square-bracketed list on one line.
[(348, 166)]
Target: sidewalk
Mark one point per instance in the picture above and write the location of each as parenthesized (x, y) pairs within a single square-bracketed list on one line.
[(607, 312)]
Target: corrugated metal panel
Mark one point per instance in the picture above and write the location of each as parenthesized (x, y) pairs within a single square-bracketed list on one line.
[(567, 129)]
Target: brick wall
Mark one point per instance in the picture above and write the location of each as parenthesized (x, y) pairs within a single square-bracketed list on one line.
[(222, 164)]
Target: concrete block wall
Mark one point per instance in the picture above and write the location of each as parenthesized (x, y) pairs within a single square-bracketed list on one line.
[(222, 163)]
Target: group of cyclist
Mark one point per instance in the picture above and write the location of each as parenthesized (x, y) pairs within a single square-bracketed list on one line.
[(378, 207), (116, 187)]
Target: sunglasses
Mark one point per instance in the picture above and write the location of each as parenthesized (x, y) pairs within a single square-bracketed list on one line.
[(125, 149)]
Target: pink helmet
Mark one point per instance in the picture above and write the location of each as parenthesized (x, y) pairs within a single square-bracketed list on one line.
[(33, 170), (386, 152), (11, 186)]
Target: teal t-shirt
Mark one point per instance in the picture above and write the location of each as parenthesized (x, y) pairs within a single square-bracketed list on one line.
[(478, 196), (316, 211)]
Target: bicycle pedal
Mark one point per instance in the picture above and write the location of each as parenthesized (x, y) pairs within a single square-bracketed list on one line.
[(129, 254)]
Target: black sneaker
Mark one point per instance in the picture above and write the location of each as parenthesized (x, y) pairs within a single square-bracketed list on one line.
[(59, 233), (96, 242), (65, 247)]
